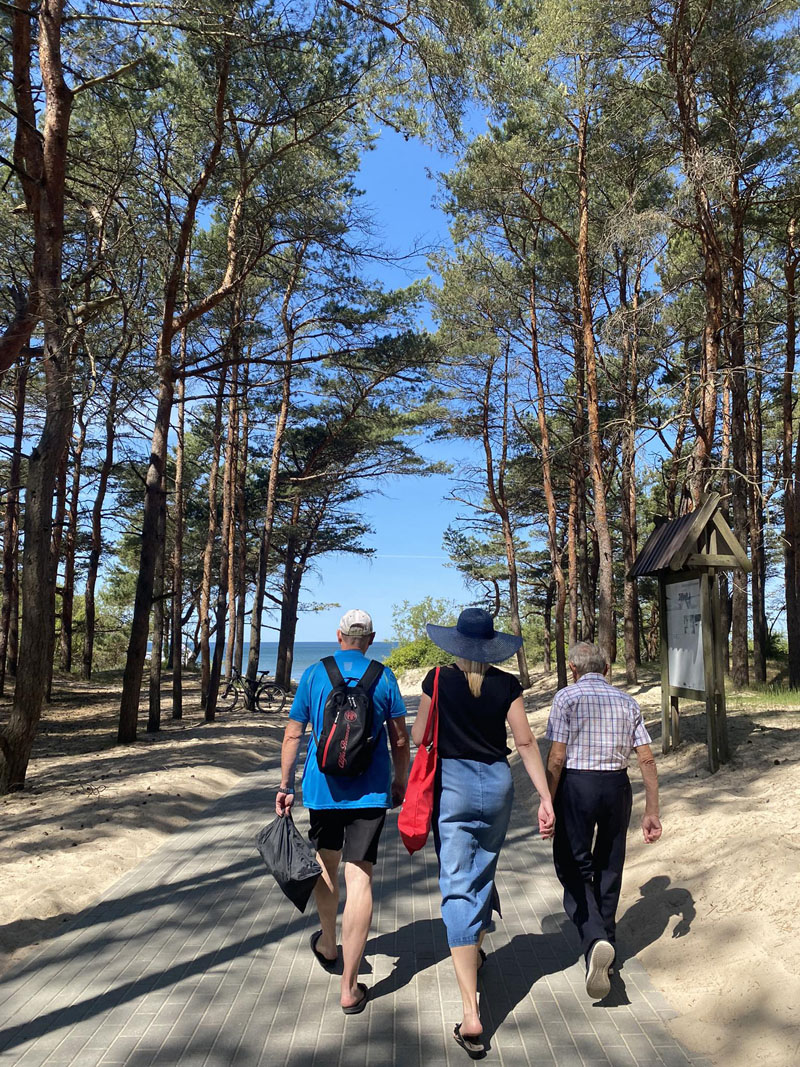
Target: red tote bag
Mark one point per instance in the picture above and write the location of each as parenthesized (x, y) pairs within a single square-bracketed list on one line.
[(415, 818)]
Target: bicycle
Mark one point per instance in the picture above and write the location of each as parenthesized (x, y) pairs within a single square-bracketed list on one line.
[(269, 696)]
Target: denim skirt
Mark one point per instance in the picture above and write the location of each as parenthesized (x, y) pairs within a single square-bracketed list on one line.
[(474, 808)]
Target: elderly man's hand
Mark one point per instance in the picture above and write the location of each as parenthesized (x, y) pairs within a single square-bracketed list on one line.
[(283, 803), (651, 828), (398, 793), (547, 819)]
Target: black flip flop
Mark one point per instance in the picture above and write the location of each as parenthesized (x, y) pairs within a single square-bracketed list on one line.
[(473, 1046), (324, 962), (358, 1007)]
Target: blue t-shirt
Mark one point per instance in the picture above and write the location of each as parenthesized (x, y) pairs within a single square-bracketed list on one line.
[(372, 789)]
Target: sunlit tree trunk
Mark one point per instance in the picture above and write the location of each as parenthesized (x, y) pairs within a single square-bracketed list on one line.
[(559, 593), (96, 535), (755, 437), (274, 469), (70, 543), (11, 521), (40, 159), (605, 589), (155, 485), (208, 552), (740, 674), (241, 523)]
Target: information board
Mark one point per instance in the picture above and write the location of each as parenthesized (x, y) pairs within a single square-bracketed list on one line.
[(685, 635)]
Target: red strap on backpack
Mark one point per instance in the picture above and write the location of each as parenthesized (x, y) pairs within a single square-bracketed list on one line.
[(414, 821)]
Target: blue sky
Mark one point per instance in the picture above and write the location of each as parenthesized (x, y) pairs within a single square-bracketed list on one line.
[(412, 513)]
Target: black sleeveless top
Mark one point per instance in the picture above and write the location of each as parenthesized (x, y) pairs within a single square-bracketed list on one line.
[(473, 727)]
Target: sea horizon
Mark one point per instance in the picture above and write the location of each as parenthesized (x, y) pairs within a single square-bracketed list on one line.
[(308, 652)]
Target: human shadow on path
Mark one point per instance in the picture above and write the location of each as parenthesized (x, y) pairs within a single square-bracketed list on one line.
[(512, 971), (416, 946), (644, 923), (647, 920)]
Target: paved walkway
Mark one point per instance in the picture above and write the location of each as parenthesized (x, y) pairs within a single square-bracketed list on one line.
[(195, 958)]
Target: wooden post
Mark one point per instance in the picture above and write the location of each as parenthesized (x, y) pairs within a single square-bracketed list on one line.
[(666, 722), (720, 708), (676, 722), (706, 582)]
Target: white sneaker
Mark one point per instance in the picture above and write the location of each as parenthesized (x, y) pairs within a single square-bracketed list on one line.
[(598, 983)]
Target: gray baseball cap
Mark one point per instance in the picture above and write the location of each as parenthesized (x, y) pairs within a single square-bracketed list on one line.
[(356, 623)]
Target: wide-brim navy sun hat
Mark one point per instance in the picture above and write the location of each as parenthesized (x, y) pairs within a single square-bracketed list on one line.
[(474, 637)]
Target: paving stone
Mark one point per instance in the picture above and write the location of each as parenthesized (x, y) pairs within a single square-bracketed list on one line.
[(196, 958)]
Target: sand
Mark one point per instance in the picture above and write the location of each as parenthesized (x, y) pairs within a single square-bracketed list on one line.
[(710, 909)]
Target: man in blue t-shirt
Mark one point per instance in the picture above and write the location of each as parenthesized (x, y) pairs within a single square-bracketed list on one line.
[(346, 814)]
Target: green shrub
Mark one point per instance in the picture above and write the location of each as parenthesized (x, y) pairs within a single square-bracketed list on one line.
[(420, 653)]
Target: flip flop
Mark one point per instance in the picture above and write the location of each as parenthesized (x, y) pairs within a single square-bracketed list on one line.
[(324, 962), (358, 1007), (473, 1046)]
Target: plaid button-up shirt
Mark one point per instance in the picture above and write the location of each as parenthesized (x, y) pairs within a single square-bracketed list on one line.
[(599, 724)]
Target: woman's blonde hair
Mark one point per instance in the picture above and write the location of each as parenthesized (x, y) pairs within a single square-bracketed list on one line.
[(474, 672)]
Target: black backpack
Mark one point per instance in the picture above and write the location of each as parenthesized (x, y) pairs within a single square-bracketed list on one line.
[(345, 745)]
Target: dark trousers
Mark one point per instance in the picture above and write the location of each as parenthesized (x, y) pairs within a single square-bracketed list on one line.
[(593, 809)]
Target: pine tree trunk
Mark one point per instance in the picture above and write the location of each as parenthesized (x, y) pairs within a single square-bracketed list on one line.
[(225, 558), (605, 588), (157, 636), (290, 598), (495, 484), (151, 545), (208, 552), (629, 386), (231, 481), (791, 504), (572, 550), (756, 502), (11, 522), (680, 64), (42, 160), (274, 469), (70, 544), (59, 525), (559, 583), (241, 524), (155, 482), (96, 537), (177, 548), (740, 674)]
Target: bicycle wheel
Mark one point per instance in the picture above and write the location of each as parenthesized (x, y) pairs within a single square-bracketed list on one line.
[(270, 698), (228, 698)]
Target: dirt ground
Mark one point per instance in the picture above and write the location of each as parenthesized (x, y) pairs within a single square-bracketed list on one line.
[(711, 909)]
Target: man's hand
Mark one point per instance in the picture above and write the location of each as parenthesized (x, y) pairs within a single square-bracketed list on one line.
[(651, 828), (283, 803), (398, 793)]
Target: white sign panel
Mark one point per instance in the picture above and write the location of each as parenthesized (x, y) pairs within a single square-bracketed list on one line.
[(685, 635)]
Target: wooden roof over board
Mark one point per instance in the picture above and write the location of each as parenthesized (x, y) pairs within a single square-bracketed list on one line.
[(683, 544)]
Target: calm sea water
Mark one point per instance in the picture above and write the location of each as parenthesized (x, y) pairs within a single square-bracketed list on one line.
[(308, 652)]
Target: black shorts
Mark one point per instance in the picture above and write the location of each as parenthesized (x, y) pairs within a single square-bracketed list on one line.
[(353, 831)]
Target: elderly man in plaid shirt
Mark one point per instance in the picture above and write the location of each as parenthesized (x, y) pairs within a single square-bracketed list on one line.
[(593, 728)]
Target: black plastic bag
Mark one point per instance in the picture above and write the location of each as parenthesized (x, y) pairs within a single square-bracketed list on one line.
[(290, 858)]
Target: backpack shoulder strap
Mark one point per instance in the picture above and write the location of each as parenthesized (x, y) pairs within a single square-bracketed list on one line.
[(371, 675), (335, 675)]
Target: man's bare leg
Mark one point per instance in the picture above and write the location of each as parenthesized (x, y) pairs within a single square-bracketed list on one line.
[(355, 926), (326, 896)]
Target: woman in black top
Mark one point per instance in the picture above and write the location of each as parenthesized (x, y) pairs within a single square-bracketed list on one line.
[(475, 790)]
